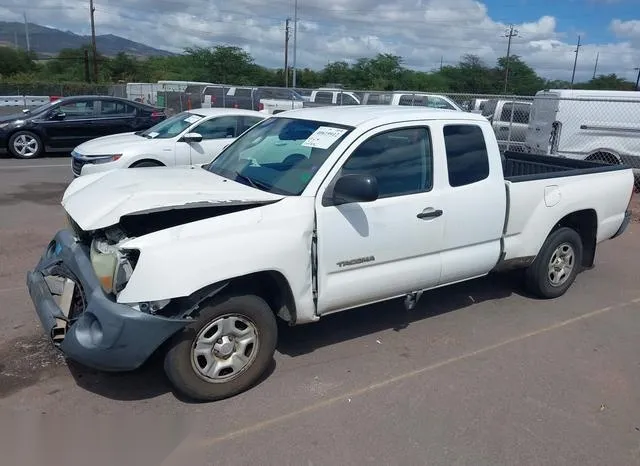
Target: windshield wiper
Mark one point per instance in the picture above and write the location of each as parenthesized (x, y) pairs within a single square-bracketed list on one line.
[(253, 183)]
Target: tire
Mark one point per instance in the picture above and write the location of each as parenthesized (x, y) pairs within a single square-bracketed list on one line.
[(25, 145), (146, 163), (547, 283), (186, 368)]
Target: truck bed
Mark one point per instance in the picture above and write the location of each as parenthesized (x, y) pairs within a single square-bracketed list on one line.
[(518, 167)]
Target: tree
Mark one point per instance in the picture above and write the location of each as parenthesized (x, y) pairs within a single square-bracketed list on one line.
[(609, 82), (471, 75), (14, 61), (523, 80)]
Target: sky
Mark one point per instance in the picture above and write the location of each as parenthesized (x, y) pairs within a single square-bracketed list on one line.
[(423, 32)]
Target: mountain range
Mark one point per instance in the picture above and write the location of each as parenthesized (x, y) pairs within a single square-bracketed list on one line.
[(47, 42)]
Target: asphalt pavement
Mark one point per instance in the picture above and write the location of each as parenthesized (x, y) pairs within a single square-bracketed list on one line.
[(478, 374)]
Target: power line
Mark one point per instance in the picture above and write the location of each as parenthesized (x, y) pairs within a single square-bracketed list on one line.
[(509, 34)]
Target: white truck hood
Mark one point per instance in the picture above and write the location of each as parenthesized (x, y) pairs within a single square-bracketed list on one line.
[(114, 144), (99, 200)]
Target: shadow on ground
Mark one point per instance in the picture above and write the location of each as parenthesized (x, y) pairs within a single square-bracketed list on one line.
[(47, 193), (20, 368)]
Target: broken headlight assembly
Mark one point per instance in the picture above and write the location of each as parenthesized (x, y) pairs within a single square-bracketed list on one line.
[(112, 265)]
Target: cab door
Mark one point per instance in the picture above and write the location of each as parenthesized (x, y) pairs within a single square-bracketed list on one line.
[(371, 251)]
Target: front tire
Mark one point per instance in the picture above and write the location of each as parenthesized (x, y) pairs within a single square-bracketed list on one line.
[(557, 265), (225, 351), (25, 145)]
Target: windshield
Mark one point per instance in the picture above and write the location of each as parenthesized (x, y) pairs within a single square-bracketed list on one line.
[(279, 155), (42, 108), (172, 126)]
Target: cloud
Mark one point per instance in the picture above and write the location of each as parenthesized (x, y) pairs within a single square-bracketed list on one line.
[(421, 31), (626, 29)]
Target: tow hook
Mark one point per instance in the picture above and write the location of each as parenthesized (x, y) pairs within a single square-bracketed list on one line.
[(411, 300)]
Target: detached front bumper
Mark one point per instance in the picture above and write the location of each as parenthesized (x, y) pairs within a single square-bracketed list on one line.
[(102, 334)]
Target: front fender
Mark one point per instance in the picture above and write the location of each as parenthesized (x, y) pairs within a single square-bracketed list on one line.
[(178, 261)]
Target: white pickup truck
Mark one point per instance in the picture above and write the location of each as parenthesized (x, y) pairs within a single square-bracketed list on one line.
[(308, 213)]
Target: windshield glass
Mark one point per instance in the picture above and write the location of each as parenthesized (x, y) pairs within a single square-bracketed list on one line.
[(279, 155), (42, 108), (172, 126)]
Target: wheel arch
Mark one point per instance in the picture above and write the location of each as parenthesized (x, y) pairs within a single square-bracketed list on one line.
[(270, 285), (148, 159), (585, 223)]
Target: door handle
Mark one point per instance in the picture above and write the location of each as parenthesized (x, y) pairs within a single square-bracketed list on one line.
[(430, 213)]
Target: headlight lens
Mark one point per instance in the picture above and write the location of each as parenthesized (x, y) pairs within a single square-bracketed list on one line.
[(105, 158), (112, 266)]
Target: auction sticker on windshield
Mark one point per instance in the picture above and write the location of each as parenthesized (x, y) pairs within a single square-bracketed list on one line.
[(192, 119), (323, 137)]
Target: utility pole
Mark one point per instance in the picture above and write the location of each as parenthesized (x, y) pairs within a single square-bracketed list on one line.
[(26, 31), (441, 62), (575, 62), (15, 39), (595, 68), (86, 66), (93, 42), (509, 34), (286, 53), (638, 79), (295, 41)]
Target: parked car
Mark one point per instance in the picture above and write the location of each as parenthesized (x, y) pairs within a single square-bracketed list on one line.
[(420, 99), (61, 125), (268, 100), (188, 138), (586, 124), (325, 96), (510, 120), (364, 204)]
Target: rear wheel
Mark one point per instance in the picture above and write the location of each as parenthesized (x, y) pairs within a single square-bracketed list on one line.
[(557, 265), (225, 351), (25, 145)]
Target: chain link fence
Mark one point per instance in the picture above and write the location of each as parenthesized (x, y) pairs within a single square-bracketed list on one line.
[(603, 129)]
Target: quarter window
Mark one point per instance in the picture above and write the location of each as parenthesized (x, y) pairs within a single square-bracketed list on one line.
[(467, 158), (400, 159)]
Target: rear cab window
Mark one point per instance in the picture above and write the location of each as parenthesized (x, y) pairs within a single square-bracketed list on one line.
[(467, 156)]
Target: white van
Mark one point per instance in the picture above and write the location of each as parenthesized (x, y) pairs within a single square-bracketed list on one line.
[(584, 124)]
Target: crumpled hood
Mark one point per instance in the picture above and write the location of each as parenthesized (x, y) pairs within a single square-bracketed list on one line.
[(112, 144), (99, 200)]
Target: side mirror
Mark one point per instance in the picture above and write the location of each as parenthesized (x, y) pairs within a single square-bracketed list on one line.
[(355, 188), (192, 137), (58, 116)]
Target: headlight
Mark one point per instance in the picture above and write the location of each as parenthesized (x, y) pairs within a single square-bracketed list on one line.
[(112, 266), (105, 158), (4, 125)]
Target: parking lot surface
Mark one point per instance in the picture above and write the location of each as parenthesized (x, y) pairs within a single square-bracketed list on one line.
[(478, 374)]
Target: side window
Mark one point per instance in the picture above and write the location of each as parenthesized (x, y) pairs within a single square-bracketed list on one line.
[(521, 113), (324, 98), (243, 92), (248, 122), (113, 108), (467, 158), (400, 159), (506, 112), (406, 99), (267, 94), (439, 102), (218, 128), (347, 99), (78, 109)]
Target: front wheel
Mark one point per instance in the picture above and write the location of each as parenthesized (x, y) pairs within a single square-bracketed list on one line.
[(25, 145), (557, 265), (225, 351)]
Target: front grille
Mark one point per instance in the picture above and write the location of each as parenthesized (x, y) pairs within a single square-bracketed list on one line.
[(76, 166)]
